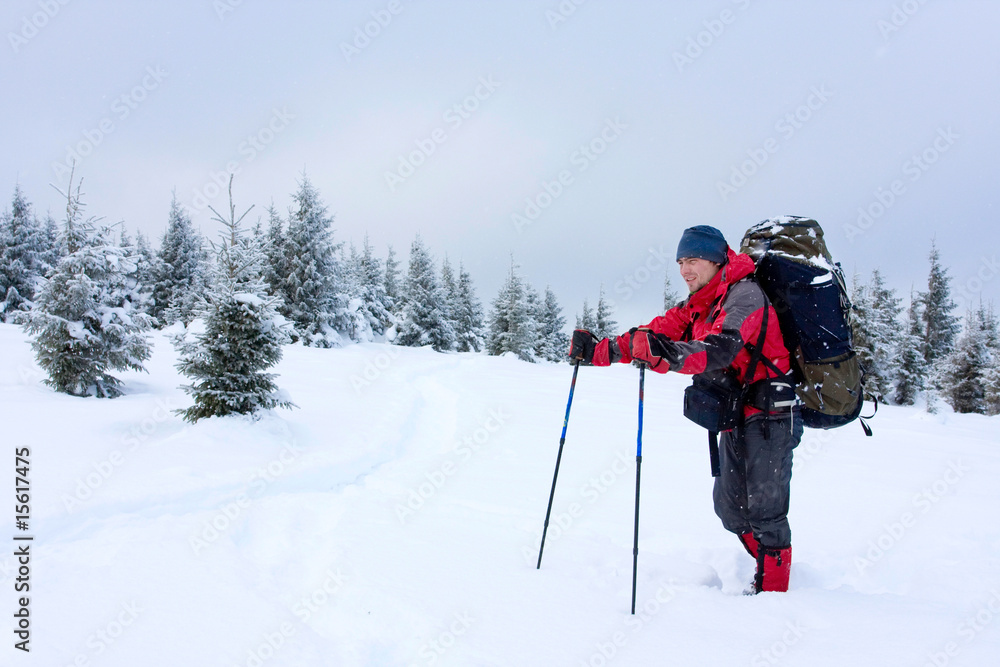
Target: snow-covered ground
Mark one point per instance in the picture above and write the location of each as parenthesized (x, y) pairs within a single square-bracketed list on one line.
[(394, 519)]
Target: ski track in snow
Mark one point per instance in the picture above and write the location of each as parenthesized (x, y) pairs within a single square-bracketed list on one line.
[(895, 536)]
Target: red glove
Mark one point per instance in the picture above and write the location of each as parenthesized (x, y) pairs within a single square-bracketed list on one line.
[(650, 348)]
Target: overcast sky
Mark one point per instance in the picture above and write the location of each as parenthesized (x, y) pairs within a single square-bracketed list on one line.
[(622, 122)]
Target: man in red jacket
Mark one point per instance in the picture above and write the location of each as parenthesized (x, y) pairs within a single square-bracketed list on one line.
[(726, 334)]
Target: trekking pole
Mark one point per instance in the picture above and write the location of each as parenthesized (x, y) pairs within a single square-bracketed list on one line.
[(555, 476), (638, 471)]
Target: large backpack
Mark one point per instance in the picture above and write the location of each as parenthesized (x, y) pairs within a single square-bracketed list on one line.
[(809, 294)]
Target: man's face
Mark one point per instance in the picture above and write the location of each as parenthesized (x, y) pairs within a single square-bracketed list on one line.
[(696, 272)]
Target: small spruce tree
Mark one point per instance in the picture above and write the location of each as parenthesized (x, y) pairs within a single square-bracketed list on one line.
[(314, 299), (670, 297), (22, 258), (940, 325), (83, 323), (424, 320), (553, 344), (511, 327), (468, 315), (587, 320), (884, 334), (179, 271), (911, 371), (243, 332), (964, 368), (605, 324)]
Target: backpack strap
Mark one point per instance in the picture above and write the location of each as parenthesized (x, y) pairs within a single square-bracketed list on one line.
[(713, 453), (864, 419), (757, 351)]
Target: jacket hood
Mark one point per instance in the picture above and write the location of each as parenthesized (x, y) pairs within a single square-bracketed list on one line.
[(738, 267)]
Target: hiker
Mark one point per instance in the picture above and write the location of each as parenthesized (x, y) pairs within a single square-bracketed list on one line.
[(743, 392)]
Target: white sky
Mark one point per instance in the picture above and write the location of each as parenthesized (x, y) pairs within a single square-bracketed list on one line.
[(879, 97)]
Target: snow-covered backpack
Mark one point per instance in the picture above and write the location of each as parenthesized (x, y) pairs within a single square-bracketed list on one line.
[(809, 294)]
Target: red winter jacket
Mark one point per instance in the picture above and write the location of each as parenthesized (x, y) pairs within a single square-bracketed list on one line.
[(711, 327)]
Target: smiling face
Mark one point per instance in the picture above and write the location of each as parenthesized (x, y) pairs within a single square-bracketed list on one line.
[(696, 272)]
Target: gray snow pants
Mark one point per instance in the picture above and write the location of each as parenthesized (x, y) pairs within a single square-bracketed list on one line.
[(755, 461)]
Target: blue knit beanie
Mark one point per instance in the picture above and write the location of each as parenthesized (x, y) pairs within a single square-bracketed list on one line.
[(703, 242)]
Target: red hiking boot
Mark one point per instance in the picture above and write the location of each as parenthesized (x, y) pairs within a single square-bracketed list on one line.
[(773, 569)]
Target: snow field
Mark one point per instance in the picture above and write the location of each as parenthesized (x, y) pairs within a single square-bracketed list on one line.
[(394, 519)]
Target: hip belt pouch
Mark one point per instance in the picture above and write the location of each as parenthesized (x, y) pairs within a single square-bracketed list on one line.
[(713, 406)]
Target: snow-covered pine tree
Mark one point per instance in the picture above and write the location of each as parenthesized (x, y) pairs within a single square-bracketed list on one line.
[(180, 270), (536, 309), (145, 261), (670, 297), (375, 304), (243, 332), (991, 374), (553, 344), (424, 320), (275, 271), (140, 282), (862, 322), (991, 371), (468, 315), (940, 326), (511, 328), (22, 264), (353, 319), (884, 334), (962, 371), (314, 300), (587, 320), (83, 322), (911, 370), (391, 281), (449, 290), (605, 324), (49, 255)]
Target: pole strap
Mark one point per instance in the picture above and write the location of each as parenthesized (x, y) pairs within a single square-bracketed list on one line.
[(713, 453)]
